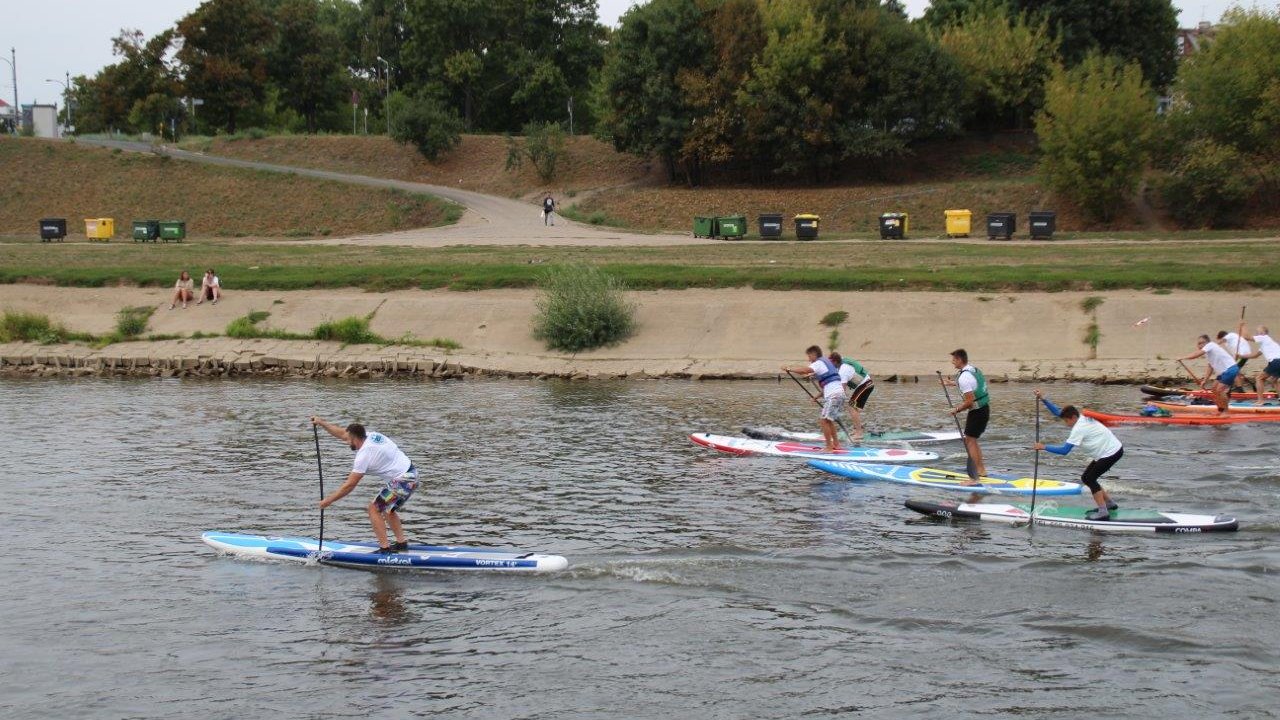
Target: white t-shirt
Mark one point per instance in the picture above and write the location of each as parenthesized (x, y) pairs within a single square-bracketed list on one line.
[(1270, 348), (831, 389), (1229, 344), (1094, 438), (1220, 360), (379, 456), (968, 381), (214, 282), (848, 375)]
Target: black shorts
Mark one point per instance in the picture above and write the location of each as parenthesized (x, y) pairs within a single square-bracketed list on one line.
[(859, 394), (1097, 468), (975, 423), (1273, 368)]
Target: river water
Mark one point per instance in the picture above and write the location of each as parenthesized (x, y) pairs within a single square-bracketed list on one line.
[(700, 585)]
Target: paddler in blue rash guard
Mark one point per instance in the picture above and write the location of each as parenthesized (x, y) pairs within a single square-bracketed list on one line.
[(1098, 442), (975, 399), (827, 375)]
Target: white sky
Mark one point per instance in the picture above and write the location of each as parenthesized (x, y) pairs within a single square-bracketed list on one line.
[(53, 37)]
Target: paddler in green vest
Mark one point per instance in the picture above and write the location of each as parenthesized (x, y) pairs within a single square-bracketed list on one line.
[(858, 380), (974, 399)]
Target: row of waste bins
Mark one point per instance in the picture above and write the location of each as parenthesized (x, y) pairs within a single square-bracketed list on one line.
[(735, 226), (893, 225), (105, 228)]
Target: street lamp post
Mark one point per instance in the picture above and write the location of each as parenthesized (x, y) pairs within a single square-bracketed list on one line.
[(387, 103), (66, 96), (17, 109)]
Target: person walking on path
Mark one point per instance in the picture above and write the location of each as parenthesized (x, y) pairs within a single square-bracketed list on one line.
[(858, 380), (1098, 442), (548, 210), (1270, 351), (1223, 365), (184, 291), (974, 400), (825, 373), (376, 455)]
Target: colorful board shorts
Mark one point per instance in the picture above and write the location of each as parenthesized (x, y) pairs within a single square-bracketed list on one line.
[(833, 408), (397, 491), (1229, 376), (861, 393)]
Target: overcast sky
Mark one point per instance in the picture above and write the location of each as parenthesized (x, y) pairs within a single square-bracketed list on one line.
[(54, 37)]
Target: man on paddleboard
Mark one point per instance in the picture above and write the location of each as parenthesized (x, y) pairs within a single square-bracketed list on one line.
[(1239, 348), (827, 375), (975, 399), (1222, 364), (376, 455), (858, 380), (1098, 442), (1270, 351)]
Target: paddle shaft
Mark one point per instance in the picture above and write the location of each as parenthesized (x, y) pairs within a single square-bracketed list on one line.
[(1240, 334), (315, 431), (839, 422), (970, 466), (1194, 378), (1035, 472)]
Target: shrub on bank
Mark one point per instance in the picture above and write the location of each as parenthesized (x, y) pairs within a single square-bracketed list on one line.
[(31, 327), (582, 308), (351, 330)]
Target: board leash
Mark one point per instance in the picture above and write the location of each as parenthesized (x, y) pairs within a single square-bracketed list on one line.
[(970, 467)]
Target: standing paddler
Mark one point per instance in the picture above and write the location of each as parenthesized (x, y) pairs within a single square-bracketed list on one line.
[(1098, 442), (1270, 351), (1222, 364), (856, 378), (376, 455), (827, 375), (977, 402)]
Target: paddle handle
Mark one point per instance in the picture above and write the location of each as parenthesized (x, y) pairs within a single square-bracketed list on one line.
[(1240, 334), (315, 432), (970, 467)]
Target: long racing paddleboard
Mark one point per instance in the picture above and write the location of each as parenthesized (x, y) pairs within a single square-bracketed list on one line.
[(766, 432), (945, 479), (1122, 520), (1269, 407), (1114, 419), (808, 451), (1163, 392), (361, 554)]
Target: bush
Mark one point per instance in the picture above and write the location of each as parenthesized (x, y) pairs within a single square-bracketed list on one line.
[(132, 321), (247, 327), (1096, 132), (30, 327), (351, 330), (582, 308), (543, 145), (1207, 184), (426, 122)]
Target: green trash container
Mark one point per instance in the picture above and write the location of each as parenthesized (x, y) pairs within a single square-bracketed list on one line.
[(704, 227), (174, 230), (146, 230), (732, 227)]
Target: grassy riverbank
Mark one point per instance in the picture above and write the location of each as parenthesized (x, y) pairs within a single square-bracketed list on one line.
[(1203, 265)]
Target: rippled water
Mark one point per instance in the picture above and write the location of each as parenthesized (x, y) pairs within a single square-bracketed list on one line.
[(700, 585)]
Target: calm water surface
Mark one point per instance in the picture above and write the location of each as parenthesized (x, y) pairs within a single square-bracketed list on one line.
[(700, 585)]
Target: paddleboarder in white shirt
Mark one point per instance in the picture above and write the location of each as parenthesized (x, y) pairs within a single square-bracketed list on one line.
[(977, 401), (1221, 364), (1098, 442), (1269, 349), (376, 455), (858, 380), (827, 375)]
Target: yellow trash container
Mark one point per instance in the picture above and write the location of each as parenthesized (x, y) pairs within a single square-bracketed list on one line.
[(99, 228), (958, 222)]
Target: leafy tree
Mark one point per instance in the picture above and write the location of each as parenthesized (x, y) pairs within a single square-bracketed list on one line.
[(303, 63), (1229, 91), (224, 52), (542, 145), (1132, 30), (425, 121), (109, 99), (1095, 133), (1207, 185), (647, 113), (1005, 61)]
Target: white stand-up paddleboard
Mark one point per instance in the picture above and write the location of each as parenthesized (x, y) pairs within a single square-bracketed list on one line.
[(1124, 520), (769, 432), (809, 451), (362, 555)]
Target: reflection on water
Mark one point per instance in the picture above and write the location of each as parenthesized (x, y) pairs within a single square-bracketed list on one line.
[(701, 585)]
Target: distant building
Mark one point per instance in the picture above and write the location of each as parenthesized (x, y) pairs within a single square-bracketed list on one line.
[(42, 119), (8, 118), (1191, 40)]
